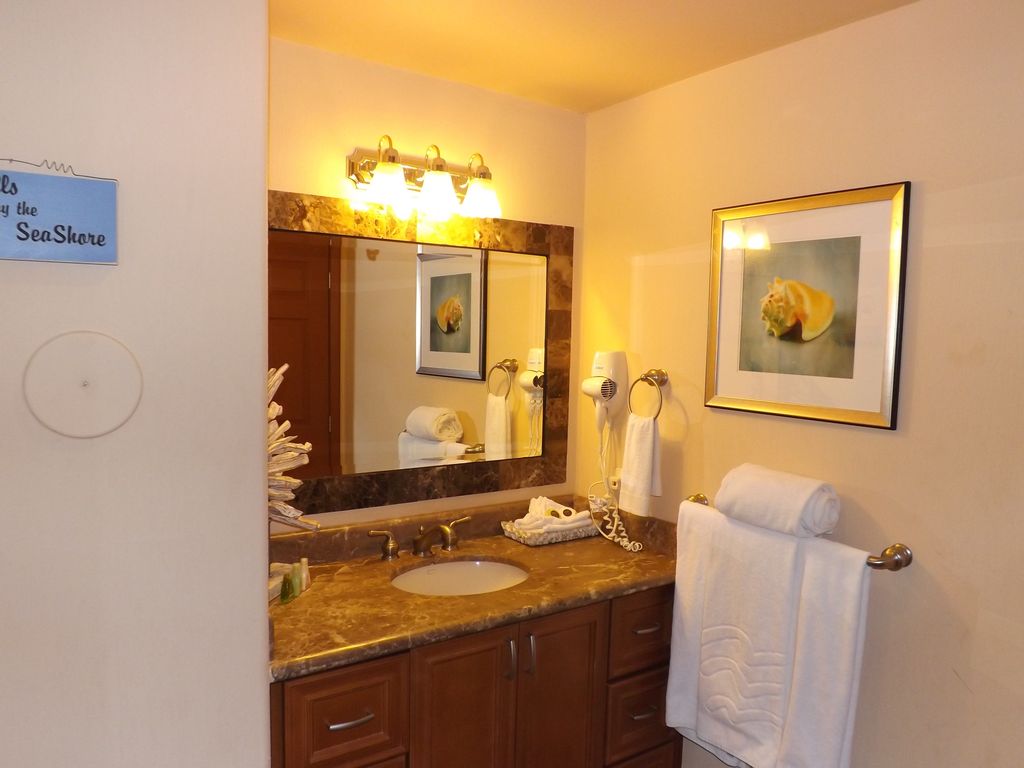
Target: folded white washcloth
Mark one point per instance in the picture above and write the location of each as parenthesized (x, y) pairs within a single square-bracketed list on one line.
[(779, 501), (433, 423), (547, 515), (497, 428), (641, 465)]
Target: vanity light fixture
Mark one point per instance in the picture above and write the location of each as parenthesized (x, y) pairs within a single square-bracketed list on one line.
[(387, 183), (404, 184), (437, 200), (481, 201)]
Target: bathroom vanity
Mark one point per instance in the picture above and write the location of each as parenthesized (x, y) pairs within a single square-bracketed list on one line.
[(566, 669)]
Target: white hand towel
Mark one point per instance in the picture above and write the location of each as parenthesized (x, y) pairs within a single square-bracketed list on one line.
[(641, 465), (767, 636), (415, 451), (497, 428), (793, 504), (433, 423), (548, 515)]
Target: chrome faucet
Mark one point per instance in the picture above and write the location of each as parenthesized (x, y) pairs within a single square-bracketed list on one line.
[(443, 534)]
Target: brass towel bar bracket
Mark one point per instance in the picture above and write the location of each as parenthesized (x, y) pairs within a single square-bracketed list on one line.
[(893, 557)]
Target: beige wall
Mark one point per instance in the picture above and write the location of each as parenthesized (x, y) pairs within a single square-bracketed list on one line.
[(929, 93), (133, 626), (322, 106)]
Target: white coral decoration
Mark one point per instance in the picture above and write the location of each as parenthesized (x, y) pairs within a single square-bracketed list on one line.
[(282, 454)]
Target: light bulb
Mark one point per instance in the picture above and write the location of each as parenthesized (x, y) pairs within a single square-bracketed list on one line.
[(387, 187), (437, 200), (481, 200)]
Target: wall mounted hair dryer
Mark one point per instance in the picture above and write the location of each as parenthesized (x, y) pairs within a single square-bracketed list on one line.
[(606, 385)]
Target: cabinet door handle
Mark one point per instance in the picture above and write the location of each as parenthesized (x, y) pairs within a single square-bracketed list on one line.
[(647, 630), (533, 654), (350, 723), (652, 710), (513, 659)]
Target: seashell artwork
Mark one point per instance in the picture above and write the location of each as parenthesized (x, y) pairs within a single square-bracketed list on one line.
[(789, 302), (449, 315), (283, 455)]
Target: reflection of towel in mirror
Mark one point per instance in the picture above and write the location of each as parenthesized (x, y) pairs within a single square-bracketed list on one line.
[(547, 515), (416, 452), (433, 423), (793, 504), (497, 428), (641, 465)]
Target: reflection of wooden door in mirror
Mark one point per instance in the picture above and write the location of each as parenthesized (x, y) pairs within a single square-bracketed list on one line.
[(300, 310)]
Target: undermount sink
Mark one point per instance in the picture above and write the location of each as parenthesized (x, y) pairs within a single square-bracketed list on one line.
[(460, 577)]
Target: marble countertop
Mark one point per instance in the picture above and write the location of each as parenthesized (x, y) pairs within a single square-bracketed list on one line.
[(352, 613)]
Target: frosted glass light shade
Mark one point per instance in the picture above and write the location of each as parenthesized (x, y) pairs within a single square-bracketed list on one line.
[(437, 199), (387, 187), (481, 200)]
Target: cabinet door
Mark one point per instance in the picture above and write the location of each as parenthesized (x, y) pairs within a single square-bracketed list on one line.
[(561, 693), (463, 701)]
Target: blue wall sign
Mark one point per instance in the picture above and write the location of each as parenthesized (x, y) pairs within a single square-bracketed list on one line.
[(58, 218)]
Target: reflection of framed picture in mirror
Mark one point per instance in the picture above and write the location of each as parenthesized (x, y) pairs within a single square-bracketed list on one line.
[(450, 312), (806, 304)]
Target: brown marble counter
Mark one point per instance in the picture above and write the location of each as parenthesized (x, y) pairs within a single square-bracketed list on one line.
[(352, 613)]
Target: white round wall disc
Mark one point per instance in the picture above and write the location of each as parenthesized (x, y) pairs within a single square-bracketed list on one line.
[(82, 384)]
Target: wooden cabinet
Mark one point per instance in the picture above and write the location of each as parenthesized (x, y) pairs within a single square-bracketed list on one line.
[(529, 695), (349, 718), (635, 730), (561, 691), (463, 700), (583, 688)]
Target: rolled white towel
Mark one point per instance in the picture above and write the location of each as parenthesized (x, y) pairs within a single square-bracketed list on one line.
[(433, 423), (793, 504)]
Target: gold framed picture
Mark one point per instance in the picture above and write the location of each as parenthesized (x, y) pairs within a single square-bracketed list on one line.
[(451, 312), (806, 306)]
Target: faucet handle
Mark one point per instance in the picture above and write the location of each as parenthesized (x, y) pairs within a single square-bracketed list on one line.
[(451, 540), (389, 548)]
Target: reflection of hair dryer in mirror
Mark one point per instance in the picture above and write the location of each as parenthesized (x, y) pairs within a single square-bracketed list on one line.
[(605, 385)]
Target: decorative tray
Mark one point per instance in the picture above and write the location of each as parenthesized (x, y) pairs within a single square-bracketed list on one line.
[(539, 538)]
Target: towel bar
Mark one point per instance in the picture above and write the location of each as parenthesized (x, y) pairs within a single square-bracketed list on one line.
[(893, 557), (509, 365), (657, 378)]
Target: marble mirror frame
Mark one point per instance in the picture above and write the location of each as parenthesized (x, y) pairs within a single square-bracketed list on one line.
[(297, 212)]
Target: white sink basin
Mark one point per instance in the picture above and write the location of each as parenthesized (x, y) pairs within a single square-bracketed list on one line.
[(460, 577)]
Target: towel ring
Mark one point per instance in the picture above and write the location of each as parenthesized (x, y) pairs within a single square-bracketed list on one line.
[(509, 365), (657, 378)]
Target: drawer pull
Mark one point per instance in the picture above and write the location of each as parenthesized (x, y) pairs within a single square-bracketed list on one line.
[(651, 712), (513, 660), (647, 630), (333, 727), (533, 655)]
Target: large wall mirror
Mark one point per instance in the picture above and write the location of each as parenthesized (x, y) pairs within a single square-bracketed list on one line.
[(354, 299)]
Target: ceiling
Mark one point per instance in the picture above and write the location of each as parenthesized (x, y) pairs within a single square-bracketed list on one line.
[(580, 55)]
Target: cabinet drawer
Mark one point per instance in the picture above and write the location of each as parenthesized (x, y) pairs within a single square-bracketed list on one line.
[(636, 715), (350, 717), (659, 757), (641, 631)]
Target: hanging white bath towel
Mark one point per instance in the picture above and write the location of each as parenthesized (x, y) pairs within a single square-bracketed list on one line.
[(767, 638)]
